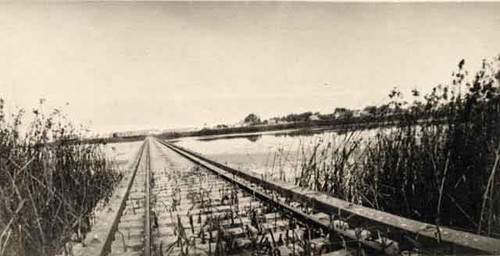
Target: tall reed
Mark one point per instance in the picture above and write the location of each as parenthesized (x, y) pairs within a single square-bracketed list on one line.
[(49, 183), (439, 164)]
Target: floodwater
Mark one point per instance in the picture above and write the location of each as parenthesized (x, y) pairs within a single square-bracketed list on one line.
[(273, 154), (122, 153)]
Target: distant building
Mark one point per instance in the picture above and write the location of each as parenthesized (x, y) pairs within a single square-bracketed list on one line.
[(272, 121), (314, 117), (239, 124), (220, 126), (341, 113), (356, 113), (365, 113)]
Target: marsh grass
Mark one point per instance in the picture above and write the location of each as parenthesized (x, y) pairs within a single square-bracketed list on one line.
[(438, 165), (50, 183)]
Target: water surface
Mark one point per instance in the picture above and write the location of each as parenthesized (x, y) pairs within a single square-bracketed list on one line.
[(274, 154)]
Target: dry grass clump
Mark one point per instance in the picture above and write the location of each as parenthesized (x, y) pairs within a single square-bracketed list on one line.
[(49, 183), (439, 164)]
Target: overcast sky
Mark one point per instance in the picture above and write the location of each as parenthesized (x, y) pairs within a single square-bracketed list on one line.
[(125, 66)]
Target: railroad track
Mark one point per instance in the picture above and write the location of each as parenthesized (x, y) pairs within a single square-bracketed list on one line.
[(177, 202)]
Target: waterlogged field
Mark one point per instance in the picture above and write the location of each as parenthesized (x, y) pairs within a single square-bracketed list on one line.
[(277, 155), (121, 153)]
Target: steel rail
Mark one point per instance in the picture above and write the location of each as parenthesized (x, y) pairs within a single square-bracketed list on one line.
[(291, 211), (98, 240), (408, 233), (147, 238)]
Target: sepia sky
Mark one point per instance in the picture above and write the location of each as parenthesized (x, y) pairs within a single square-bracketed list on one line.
[(126, 66)]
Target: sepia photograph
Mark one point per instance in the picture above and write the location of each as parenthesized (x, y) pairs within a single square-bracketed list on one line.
[(280, 128)]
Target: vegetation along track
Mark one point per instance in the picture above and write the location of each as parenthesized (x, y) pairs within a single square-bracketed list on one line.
[(200, 207)]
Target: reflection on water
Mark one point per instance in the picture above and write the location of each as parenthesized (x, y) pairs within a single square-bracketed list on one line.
[(276, 154), (251, 137), (308, 132), (254, 138)]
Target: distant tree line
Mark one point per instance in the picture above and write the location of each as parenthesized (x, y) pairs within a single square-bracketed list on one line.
[(391, 111)]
